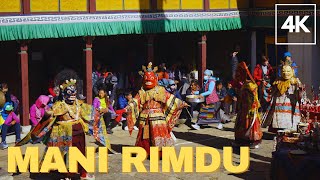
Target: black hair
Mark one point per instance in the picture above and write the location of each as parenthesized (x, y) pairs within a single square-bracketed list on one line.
[(219, 82), (102, 88), (127, 92), (194, 81)]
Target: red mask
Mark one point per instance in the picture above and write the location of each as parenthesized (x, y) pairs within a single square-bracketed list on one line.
[(150, 80)]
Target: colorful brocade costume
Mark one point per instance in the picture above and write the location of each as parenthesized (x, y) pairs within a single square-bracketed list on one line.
[(284, 109), (57, 129), (66, 124), (156, 111), (247, 126)]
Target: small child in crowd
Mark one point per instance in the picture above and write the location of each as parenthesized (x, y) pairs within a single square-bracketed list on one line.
[(123, 102), (230, 100), (10, 119)]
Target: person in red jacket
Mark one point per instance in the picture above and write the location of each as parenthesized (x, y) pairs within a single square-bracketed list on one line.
[(262, 75)]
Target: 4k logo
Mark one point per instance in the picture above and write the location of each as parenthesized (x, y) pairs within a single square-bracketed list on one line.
[(290, 25), (298, 25)]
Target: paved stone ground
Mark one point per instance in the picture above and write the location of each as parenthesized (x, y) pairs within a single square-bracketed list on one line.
[(209, 136)]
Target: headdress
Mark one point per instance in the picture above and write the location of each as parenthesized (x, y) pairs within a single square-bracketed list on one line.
[(71, 82), (243, 72), (67, 74), (286, 54), (148, 69)]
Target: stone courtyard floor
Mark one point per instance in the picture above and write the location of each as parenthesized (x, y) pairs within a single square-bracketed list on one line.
[(209, 136)]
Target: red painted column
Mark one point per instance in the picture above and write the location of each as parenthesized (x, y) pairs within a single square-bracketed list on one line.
[(88, 69), (202, 46), (26, 6), (92, 6), (150, 48), (23, 55), (206, 5)]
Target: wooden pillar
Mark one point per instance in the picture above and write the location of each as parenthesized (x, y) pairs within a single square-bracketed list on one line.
[(88, 68), (202, 47), (150, 48), (23, 55), (206, 5), (26, 6), (92, 6)]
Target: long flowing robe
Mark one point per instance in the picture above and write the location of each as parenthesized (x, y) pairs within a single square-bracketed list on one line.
[(157, 111), (284, 109), (247, 126), (57, 129)]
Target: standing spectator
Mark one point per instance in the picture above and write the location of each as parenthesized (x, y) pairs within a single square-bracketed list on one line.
[(230, 99), (221, 91), (235, 60), (96, 73), (10, 119), (38, 109), (123, 102), (10, 98), (192, 90), (262, 76), (211, 108)]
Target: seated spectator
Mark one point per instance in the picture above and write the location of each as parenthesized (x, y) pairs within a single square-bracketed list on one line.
[(123, 102), (10, 119), (102, 104), (230, 100), (10, 98), (38, 109), (162, 72), (172, 88), (192, 90)]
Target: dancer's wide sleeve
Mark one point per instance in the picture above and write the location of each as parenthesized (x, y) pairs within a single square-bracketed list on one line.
[(133, 112), (172, 110)]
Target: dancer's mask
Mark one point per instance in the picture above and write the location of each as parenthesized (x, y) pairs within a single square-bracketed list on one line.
[(150, 79), (69, 91)]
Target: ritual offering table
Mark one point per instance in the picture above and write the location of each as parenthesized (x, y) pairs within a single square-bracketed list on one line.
[(296, 157)]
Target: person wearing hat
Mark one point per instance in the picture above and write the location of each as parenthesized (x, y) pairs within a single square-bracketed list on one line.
[(287, 60), (10, 119), (172, 88), (211, 111)]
